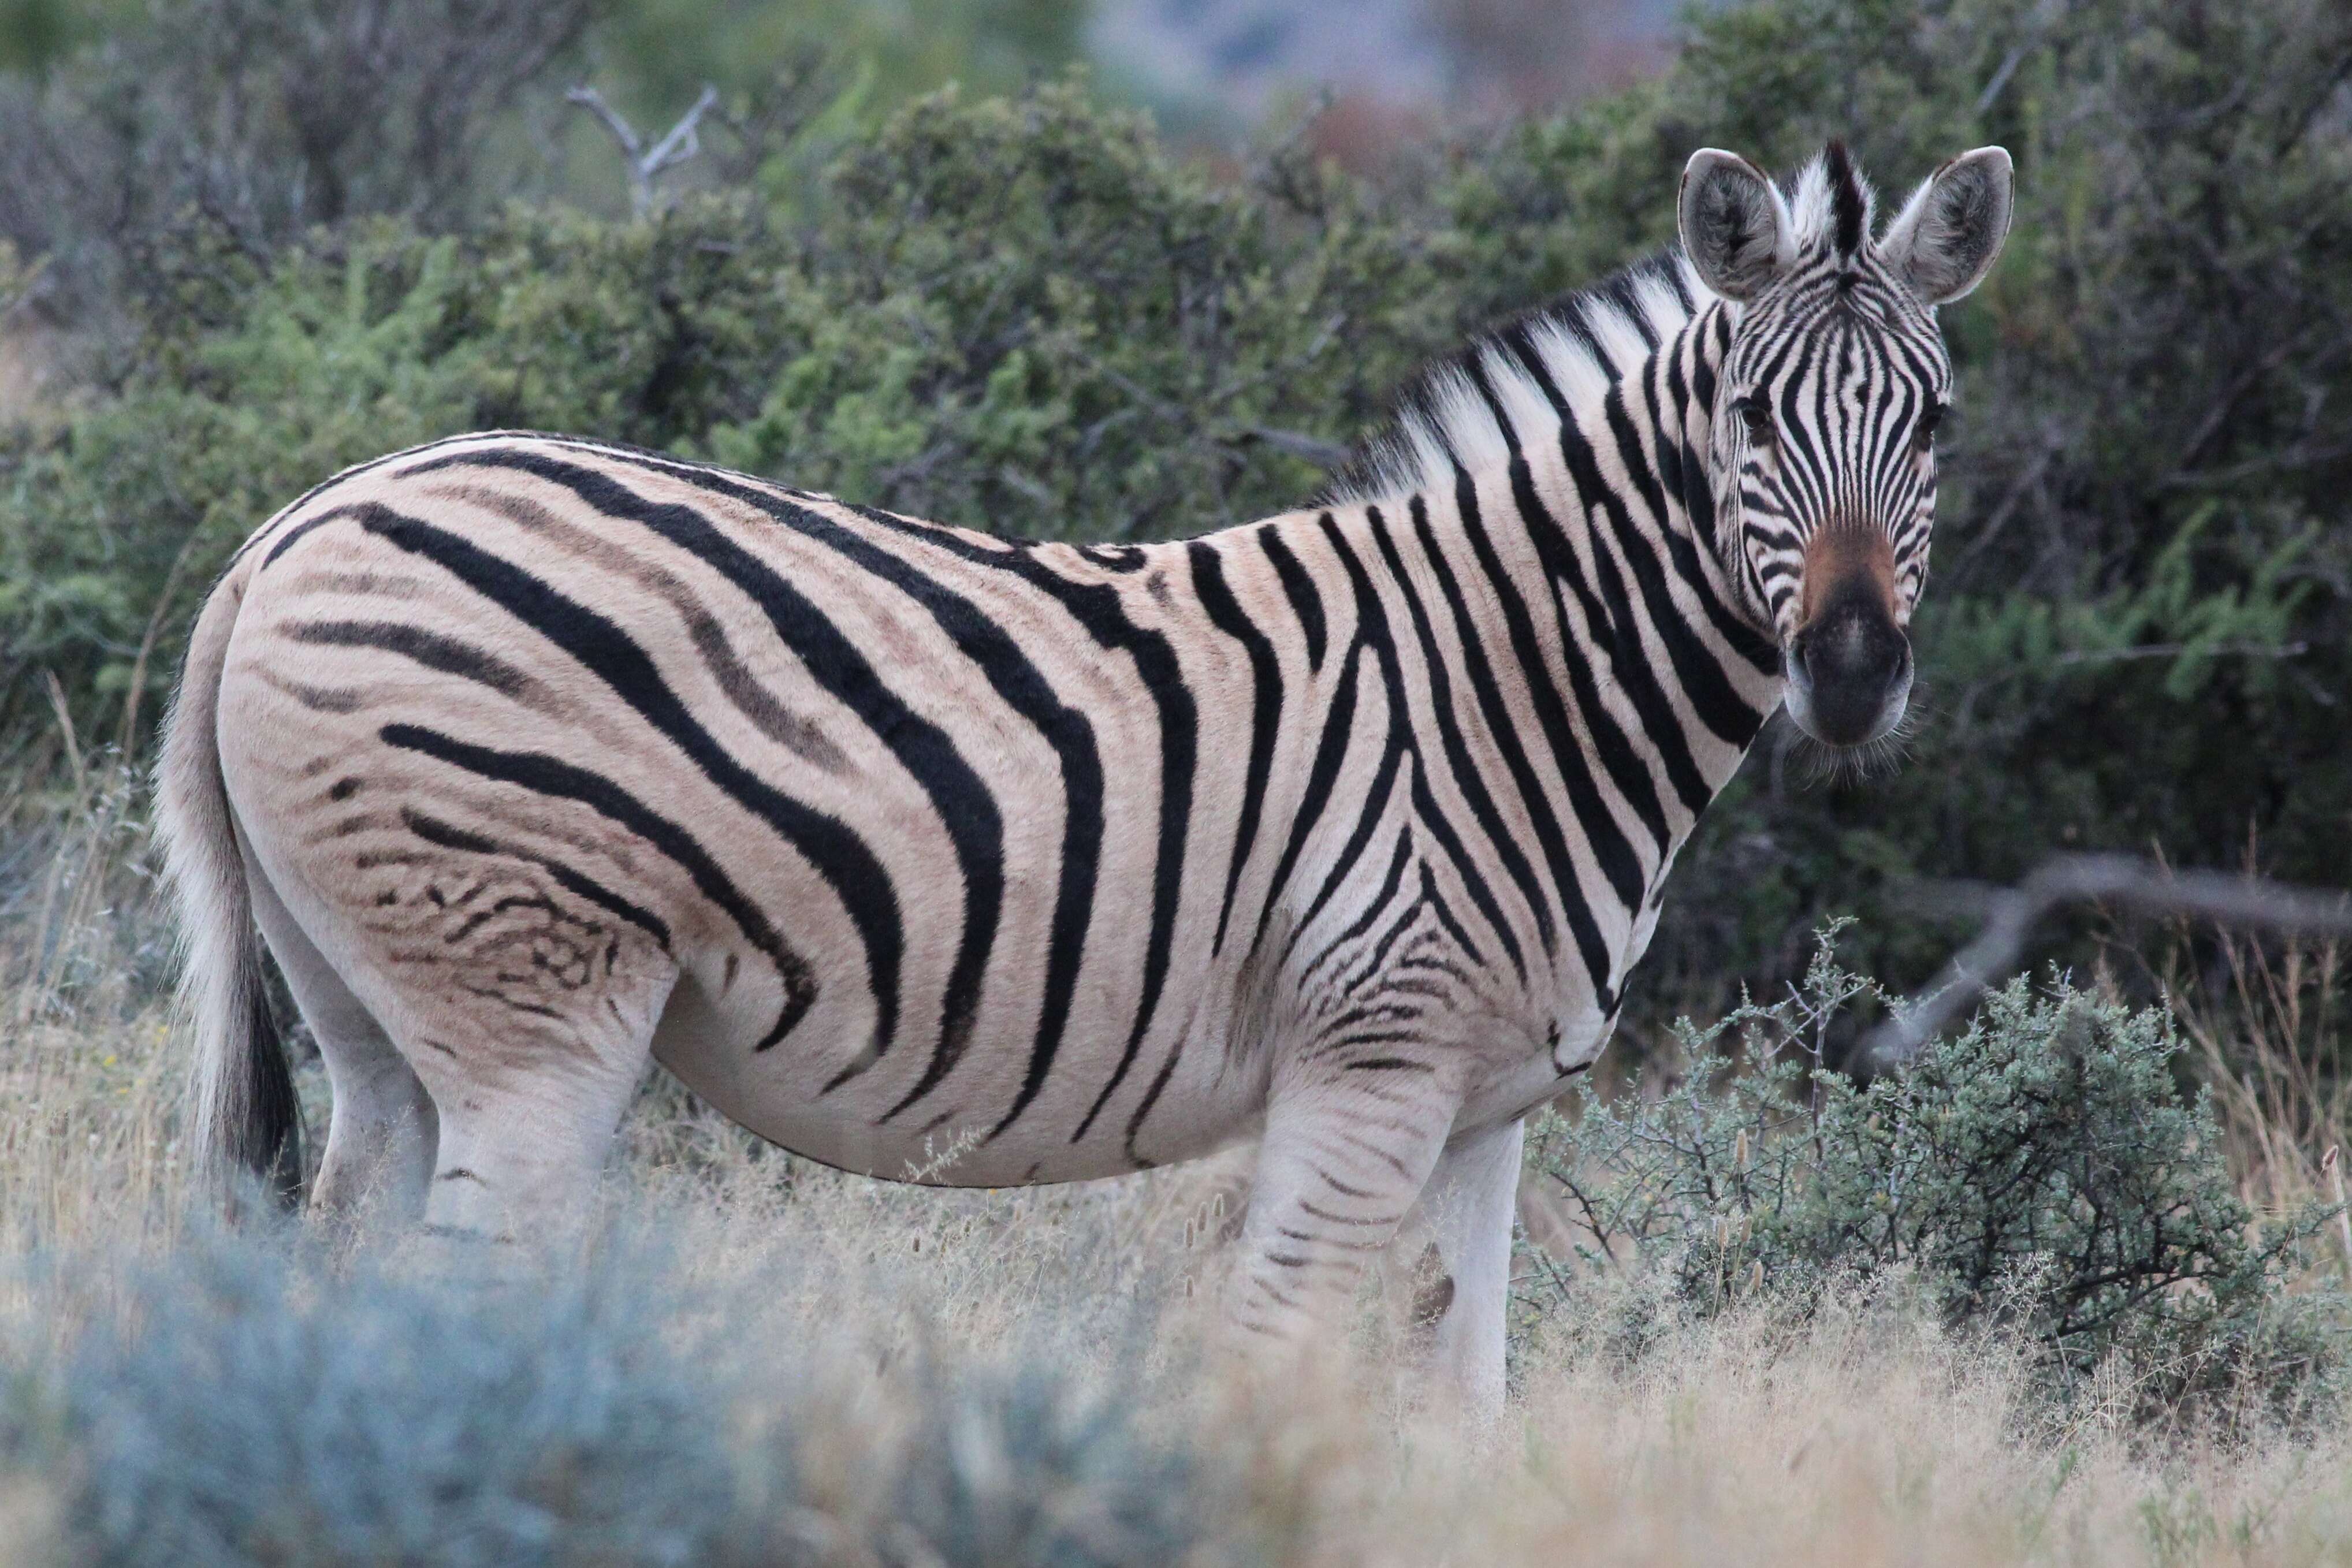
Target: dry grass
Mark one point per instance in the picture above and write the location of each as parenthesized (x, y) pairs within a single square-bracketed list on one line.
[(2269, 1021), (2268, 1024), (842, 1325)]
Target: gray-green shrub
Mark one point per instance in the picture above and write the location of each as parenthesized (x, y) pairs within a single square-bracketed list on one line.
[(261, 1400), (244, 1408), (2041, 1175)]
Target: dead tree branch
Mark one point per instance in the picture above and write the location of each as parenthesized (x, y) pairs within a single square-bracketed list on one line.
[(1331, 456), (2296, 650), (647, 165), (2010, 914)]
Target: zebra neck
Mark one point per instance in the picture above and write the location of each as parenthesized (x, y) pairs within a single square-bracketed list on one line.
[(1657, 650), (1676, 390)]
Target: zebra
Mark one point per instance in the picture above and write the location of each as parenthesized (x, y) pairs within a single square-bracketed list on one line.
[(528, 757)]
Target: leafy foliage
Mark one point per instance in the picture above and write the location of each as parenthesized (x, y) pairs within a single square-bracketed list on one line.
[(2041, 1173), (1019, 316), (1028, 315), (1025, 316), (264, 382), (2139, 625)]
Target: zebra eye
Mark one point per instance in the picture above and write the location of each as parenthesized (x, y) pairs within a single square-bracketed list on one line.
[(1924, 437), (1757, 415)]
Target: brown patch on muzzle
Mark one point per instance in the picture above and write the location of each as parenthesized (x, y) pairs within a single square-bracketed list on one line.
[(1842, 562)]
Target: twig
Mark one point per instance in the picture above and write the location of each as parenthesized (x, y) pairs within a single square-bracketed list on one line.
[(2127, 880), (2045, 17), (2168, 650), (64, 711), (138, 687), (2016, 57), (2335, 1170), (1329, 456), (2029, 476), (647, 165), (1591, 1219)]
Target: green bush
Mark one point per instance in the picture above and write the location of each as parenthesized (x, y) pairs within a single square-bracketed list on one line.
[(1019, 316), (1029, 315), (2138, 625), (2041, 1175), (262, 382)]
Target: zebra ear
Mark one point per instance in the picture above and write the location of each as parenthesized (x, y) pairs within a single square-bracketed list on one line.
[(1736, 227), (1948, 235)]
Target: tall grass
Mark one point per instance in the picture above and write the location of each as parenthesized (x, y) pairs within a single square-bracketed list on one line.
[(2269, 1019), (757, 1361), (86, 1071)]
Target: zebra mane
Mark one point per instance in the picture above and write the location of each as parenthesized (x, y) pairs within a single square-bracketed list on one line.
[(1832, 205), (1582, 345)]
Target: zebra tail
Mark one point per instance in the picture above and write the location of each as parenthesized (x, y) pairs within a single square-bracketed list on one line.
[(247, 1121)]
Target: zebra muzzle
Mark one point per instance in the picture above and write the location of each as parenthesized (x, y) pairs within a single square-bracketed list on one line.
[(1848, 665), (1849, 670)]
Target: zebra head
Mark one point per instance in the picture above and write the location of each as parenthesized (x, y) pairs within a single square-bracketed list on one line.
[(1822, 429)]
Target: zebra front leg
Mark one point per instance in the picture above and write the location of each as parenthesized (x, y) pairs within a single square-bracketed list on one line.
[(1344, 1155), (1470, 1204)]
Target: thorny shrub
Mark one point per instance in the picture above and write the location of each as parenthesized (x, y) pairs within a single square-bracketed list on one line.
[(2039, 1177)]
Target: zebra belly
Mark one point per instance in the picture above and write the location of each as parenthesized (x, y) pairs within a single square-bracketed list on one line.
[(781, 1096)]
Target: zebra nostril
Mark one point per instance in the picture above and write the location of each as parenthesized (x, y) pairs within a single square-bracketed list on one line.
[(1799, 653)]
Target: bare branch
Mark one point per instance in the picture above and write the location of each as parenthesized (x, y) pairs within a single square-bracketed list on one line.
[(2052, 445), (1329, 456), (624, 134), (796, 92), (2125, 879), (646, 165), (682, 142), (2173, 650), (2047, 16)]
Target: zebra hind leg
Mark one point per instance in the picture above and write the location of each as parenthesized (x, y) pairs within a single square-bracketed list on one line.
[(381, 1134), (527, 1111)]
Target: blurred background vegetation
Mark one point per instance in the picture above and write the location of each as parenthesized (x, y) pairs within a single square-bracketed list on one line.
[(1118, 270)]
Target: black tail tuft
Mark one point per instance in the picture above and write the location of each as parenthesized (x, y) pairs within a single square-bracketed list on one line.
[(270, 1142)]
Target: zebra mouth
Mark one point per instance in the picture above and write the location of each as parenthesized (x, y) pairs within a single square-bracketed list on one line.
[(1849, 679)]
